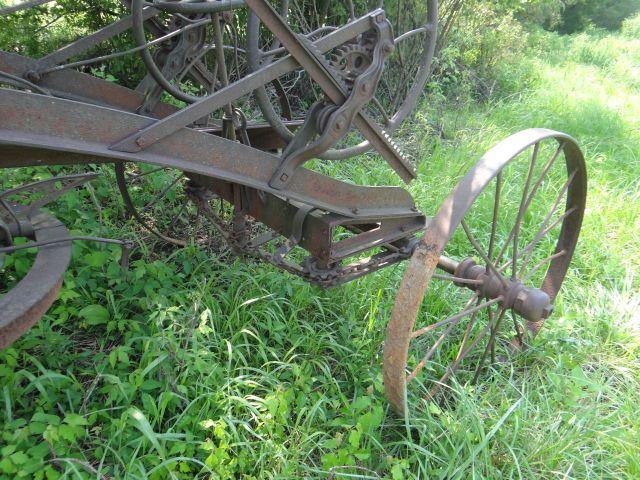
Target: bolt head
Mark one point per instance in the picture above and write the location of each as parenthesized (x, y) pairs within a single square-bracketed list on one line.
[(387, 47), (33, 76), (520, 299), (380, 18)]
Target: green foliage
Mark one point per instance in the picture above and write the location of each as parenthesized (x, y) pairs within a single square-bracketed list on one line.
[(631, 27), (193, 366), (485, 39), (608, 14)]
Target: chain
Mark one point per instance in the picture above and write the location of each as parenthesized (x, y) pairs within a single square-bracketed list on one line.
[(312, 269)]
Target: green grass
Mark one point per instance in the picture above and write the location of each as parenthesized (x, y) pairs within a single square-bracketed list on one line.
[(190, 366)]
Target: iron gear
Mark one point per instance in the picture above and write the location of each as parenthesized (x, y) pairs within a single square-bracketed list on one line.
[(352, 59)]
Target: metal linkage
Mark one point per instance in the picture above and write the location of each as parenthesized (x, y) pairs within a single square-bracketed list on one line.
[(310, 58), (161, 129), (332, 122), (290, 224)]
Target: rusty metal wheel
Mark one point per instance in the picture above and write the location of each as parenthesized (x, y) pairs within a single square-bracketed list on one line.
[(161, 200), (402, 82), (519, 210), (25, 298)]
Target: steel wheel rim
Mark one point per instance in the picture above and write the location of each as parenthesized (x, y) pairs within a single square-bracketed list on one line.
[(425, 259), (27, 301)]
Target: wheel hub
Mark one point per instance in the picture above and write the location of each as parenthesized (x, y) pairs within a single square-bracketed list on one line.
[(531, 303)]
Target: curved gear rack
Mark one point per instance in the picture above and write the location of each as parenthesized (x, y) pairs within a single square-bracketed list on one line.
[(228, 163)]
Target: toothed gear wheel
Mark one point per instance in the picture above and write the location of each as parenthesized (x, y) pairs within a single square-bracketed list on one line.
[(351, 60)]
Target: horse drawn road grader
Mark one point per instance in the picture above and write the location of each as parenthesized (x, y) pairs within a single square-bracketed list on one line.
[(217, 138)]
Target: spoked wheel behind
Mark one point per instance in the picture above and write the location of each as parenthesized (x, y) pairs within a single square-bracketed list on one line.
[(404, 77), (165, 203), (189, 65), (502, 242)]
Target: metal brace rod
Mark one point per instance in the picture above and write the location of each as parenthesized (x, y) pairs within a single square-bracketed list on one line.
[(85, 43), (125, 245), (157, 130), (335, 90)]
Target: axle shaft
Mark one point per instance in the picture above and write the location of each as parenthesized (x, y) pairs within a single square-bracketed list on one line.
[(531, 303)]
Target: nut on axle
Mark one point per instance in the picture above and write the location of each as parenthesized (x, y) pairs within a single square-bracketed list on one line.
[(531, 303)]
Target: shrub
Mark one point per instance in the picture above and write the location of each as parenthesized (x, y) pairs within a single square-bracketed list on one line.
[(631, 27), (608, 14), (483, 40)]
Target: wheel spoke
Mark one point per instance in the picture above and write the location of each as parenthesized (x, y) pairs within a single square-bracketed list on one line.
[(521, 210), (546, 168), (481, 252), (540, 264), (162, 193), (451, 278), (531, 246), (518, 328), (494, 221), (439, 324), (454, 320), (543, 228), (467, 332), (494, 329), (451, 369)]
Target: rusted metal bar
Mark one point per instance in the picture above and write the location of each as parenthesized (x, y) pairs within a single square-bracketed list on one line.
[(36, 121), (81, 87), (155, 131)]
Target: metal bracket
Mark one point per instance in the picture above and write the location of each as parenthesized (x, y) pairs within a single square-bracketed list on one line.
[(333, 121), (174, 62), (296, 234), (309, 57)]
